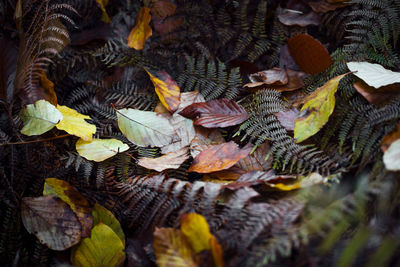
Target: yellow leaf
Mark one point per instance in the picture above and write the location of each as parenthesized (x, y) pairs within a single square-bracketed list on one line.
[(39, 118), (217, 252), (100, 149), (316, 111), (195, 228), (78, 204), (48, 89), (103, 249), (103, 215), (74, 123), (301, 182), (142, 30), (103, 4), (167, 90), (172, 249)]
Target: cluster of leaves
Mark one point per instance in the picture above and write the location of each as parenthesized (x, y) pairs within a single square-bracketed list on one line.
[(199, 133)]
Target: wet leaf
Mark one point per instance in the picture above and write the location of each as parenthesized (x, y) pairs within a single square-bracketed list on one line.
[(296, 18), (172, 160), (204, 139), (391, 158), (167, 90), (71, 196), (103, 249), (100, 149), (102, 4), (317, 110), (142, 30), (218, 157), (311, 56), (39, 118), (216, 113), (258, 160), (146, 128), (374, 74), (74, 123), (52, 221), (102, 215)]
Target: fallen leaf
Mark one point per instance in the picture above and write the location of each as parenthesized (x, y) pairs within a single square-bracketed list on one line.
[(172, 249), (48, 89), (296, 18), (382, 96), (374, 74), (167, 25), (74, 123), (167, 90), (294, 81), (102, 4), (287, 118), (204, 139), (391, 158), (310, 55), (390, 138), (300, 182), (162, 9), (172, 160), (103, 215), (218, 157), (146, 128), (100, 149), (317, 110), (78, 204), (216, 113), (52, 221), (104, 249), (258, 160), (276, 76), (323, 6), (39, 118), (142, 30)]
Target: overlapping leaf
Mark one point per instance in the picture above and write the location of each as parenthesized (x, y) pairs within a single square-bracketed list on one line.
[(391, 158), (74, 123), (142, 30), (100, 149), (102, 215), (374, 74), (171, 160)]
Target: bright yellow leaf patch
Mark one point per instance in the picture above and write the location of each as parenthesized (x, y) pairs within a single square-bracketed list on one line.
[(74, 123), (142, 30), (103, 215), (103, 4), (196, 229)]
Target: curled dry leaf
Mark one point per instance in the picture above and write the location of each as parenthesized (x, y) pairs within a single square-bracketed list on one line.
[(382, 96), (297, 18), (317, 110), (71, 196), (100, 149), (52, 221), (218, 157), (275, 76), (39, 118), (167, 90), (391, 158), (374, 74), (102, 215), (74, 123), (142, 30), (216, 113), (290, 80), (171, 160), (310, 55)]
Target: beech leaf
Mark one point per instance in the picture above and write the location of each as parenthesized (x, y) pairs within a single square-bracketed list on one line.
[(317, 110), (216, 113), (146, 128), (142, 30), (196, 230), (171, 160), (103, 215), (391, 158), (100, 149), (203, 139), (74, 123), (52, 221), (374, 74), (39, 118), (48, 89)]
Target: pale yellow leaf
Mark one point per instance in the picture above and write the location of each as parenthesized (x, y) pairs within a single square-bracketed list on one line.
[(171, 160), (100, 149), (74, 123)]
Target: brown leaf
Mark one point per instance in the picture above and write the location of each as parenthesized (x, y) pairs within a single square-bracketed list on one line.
[(142, 30), (323, 6), (303, 20), (294, 82), (162, 9), (218, 157), (48, 89), (52, 221), (275, 76), (311, 56), (378, 97), (167, 25), (204, 139), (216, 113), (171, 160), (390, 138), (256, 161), (287, 118)]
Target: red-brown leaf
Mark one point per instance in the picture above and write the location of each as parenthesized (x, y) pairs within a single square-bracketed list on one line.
[(216, 113)]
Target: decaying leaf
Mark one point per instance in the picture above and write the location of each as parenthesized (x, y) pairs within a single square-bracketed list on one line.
[(218, 157), (391, 158), (374, 74), (203, 139), (258, 160), (324, 6), (104, 249), (74, 123), (390, 138), (287, 118), (100, 149), (171, 160), (289, 80), (297, 18), (52, 221), (142, 30), (78, 204), (146, 128), (167, 90), (378, 97), (276, 76), (311, 56), (39, 118), (162, 9), (316, 111), (216, 113), (103, 4), (102, 215)]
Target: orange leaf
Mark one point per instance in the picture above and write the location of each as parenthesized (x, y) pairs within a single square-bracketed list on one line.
[(390, 138), (311, 56), (217, 252), (167, 90), (382, 96), (218, 157), (142, 30), (48, 89)]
